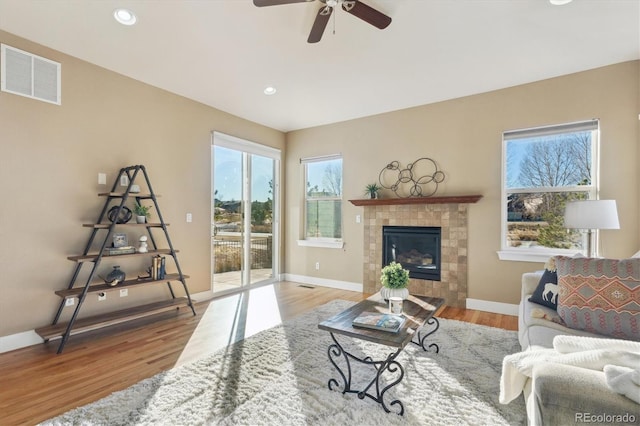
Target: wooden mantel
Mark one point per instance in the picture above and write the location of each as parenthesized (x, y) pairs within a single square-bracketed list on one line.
[(454, 199)]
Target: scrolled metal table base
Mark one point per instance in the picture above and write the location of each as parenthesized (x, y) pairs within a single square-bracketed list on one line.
[(421, 338), (389, 364)]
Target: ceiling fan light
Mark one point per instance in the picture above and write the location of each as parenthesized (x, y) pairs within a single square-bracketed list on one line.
[(560, 2), (125, 16)]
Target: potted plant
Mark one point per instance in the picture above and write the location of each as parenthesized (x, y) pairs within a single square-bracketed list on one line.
[(372, 190), (142, 212), (395, 280)]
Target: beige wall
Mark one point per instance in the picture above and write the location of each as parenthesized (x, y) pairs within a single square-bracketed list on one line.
[(50, 157), (464, 137)]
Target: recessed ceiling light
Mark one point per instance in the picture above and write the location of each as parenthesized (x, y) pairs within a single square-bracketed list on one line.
[(559, 2), (269, 90), (125, 16)]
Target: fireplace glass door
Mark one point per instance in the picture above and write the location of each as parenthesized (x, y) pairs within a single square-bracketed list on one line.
[(416, 248)]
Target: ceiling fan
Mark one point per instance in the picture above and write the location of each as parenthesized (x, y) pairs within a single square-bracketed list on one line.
[(354, 7)]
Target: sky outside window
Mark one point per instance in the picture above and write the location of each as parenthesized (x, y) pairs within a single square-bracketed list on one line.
[(228, 175)]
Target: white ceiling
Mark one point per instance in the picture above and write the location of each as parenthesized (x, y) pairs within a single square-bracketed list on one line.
[(223, 53)]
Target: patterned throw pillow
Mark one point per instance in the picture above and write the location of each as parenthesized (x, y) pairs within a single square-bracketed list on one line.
[(600, 295), (546, 294)]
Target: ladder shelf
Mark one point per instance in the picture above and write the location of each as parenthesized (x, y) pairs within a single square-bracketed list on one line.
[(116, 200)]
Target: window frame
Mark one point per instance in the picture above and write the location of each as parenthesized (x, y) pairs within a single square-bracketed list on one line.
[(323, 242), (538, 253)]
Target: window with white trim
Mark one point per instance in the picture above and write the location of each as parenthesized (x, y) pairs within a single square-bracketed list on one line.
[(323, 199), (542, 169)]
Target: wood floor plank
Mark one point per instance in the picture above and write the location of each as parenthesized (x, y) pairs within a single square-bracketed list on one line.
[(37, 384)]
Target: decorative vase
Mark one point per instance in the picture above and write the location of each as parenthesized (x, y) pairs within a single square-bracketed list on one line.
[(116, 276), (386, 293), (143, 248)]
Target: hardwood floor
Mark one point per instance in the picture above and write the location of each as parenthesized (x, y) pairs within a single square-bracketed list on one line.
[(37, 384)]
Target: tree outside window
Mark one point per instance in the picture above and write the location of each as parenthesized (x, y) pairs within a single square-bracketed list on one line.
[(544, 169)]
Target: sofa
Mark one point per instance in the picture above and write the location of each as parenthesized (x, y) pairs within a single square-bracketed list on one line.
[(558, 394)]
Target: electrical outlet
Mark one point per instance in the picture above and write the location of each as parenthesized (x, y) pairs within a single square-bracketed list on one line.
[(102, 178), (317, 266), (124, 292), (189, 217), (124, 180), (102, 296), (358, 219), (69, 302)]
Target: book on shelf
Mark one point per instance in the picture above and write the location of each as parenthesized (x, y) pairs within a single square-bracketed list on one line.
[(158, 267), (379, 321)]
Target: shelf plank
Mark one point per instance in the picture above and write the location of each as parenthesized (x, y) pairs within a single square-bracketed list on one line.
[(107, 225), (96, 288), (455, 199), (93, 256), (112, 318), (131, 194)]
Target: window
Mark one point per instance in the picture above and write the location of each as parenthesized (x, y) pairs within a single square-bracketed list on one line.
[(543, 168), (323, 201)]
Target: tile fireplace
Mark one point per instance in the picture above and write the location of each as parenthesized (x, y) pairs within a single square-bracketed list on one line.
[(449, 214)]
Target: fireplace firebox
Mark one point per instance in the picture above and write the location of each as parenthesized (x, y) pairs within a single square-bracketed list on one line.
[(416, 248)]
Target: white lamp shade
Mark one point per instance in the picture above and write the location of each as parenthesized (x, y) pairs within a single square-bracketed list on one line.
[(591, 214)]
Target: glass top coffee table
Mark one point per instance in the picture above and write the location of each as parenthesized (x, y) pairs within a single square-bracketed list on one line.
[(418, 325)]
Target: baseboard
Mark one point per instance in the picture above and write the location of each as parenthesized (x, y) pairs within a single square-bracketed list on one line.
[(323, 282), (19, 340), (495, 307)]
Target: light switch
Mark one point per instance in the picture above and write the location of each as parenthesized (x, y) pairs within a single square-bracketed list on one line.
[(102, 178), (189, 217), (357, 218)]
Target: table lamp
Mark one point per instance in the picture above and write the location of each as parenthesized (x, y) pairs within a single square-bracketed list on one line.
[(590, 215)]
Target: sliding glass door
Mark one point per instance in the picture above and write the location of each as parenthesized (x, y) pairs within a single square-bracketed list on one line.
[(244, 219)]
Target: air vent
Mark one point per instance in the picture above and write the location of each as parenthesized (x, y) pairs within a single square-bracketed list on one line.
[(23, 73)]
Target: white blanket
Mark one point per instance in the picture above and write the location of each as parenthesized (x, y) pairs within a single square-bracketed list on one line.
[(619, 359)]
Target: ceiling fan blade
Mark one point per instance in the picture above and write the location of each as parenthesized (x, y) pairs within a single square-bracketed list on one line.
[(261, 3), (320, 24), (366, 13)]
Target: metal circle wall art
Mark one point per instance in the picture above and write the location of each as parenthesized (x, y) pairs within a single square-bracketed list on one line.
[(417, 179)]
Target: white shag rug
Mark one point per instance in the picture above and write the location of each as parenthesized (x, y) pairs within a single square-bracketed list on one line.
[(280, 376)]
